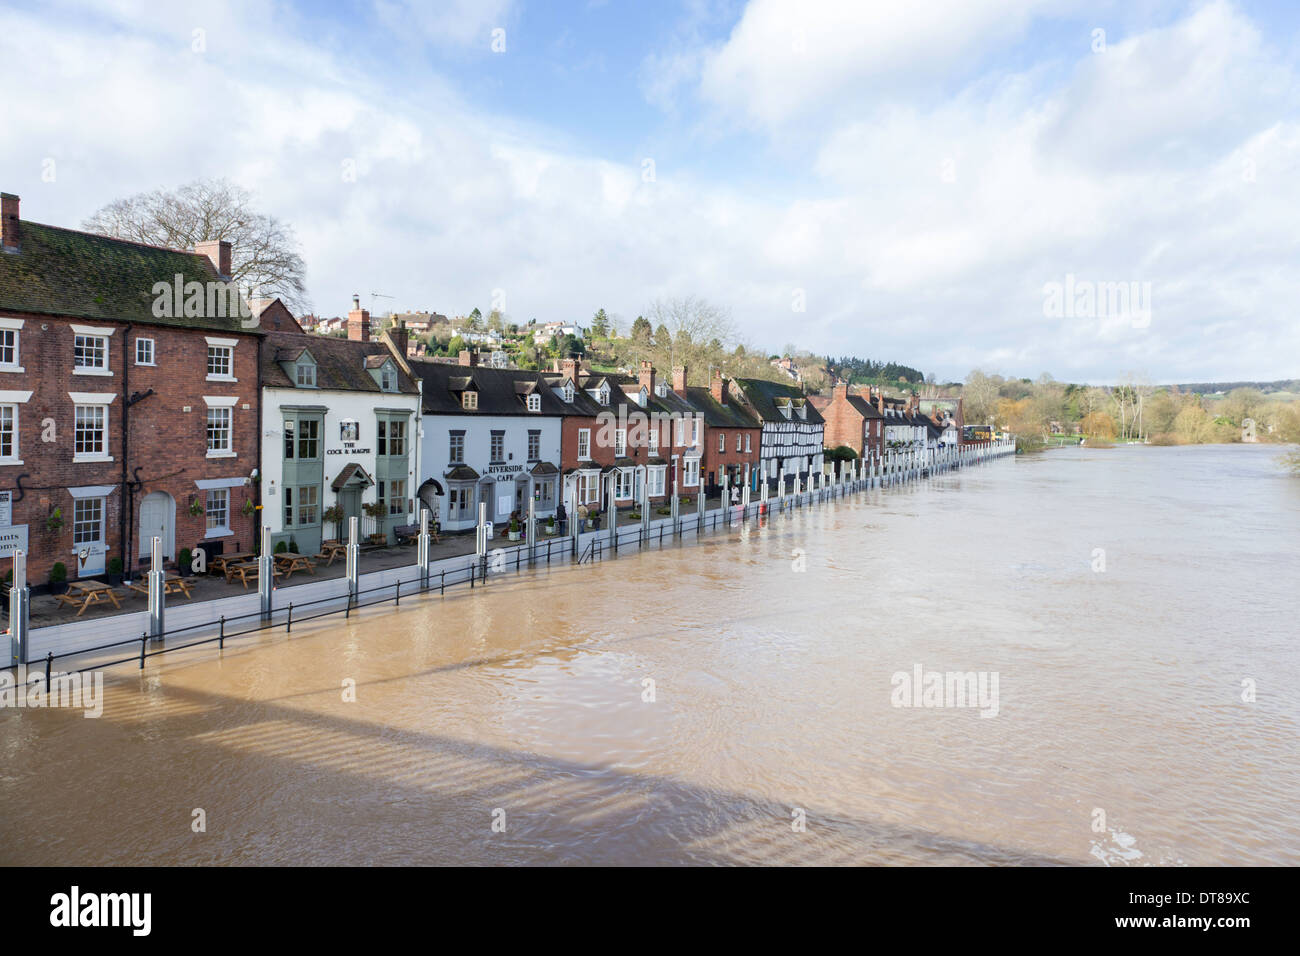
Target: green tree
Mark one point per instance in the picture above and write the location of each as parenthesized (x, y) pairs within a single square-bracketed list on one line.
[(600, 325)]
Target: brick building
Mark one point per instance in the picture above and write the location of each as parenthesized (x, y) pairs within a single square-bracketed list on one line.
[(128, 399), (733, 436), (854, 421)]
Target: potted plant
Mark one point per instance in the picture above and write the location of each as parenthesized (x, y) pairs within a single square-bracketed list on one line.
[(550, 525), (664, 511), (115, 570), (184, 562), (334, 515), (196, 507), (513, 530), (249, 507), (281, 547), (54, 523), (58, 578), (634, 514)]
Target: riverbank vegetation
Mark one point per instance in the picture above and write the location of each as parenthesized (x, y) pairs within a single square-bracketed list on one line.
[(1044, 411)]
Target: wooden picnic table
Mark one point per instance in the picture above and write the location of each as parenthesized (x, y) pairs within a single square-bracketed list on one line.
[(246, 571), (85, 593), (220, 561), (291, 561), (331, 549), (172, 583)]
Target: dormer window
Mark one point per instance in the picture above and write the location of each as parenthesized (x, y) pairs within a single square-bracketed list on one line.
[(568, 393), (604, 393), (803, 412), (469, 400), (534, 402), (642, 397), (661, 389), (784, 406), (305, 375)]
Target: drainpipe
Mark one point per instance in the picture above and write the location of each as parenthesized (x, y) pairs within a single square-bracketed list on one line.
[(257, 414), (128, 499)]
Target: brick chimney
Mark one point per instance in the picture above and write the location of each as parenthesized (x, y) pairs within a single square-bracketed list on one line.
[(840, 392), (679, 380), (358, 322), (880, 401), (218, 253), (400, 337), (569, 369), (468, 358), (715, 387), (9, 222), (646, 379)]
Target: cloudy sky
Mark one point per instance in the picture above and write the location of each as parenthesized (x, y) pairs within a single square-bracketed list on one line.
[(895, 181)]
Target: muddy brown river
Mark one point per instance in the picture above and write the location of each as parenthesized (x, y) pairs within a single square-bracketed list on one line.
[(1127, 618)]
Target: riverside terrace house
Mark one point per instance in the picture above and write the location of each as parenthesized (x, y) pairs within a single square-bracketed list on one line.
[(340, 431), (653, 437), (491, 436), (733, 436), (122, 417), (852, 421), (793, 429), (905, 426)]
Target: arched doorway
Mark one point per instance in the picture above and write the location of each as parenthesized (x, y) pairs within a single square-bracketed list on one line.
[(157, 520), (429, 494)]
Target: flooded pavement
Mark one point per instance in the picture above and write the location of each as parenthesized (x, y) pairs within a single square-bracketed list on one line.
[(738, 700)]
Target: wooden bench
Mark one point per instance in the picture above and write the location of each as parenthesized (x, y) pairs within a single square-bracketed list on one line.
[(331, 550), (410, 533), (82, 594), (171, 584)]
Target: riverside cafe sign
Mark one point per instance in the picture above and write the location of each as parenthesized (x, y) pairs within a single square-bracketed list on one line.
[(12, 537)]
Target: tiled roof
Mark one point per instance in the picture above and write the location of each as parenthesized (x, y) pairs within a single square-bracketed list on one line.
[(501, 391), (731, 415), (340, 363), (82, 275), (762, 396)]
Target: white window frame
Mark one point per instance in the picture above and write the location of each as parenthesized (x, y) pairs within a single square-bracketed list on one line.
[(469, 400), (12, 458), (14, 327), (153, 351), (534, 402), (623, 482), (620, 443), (584, 444), (99, 539), (656, 479), (91, 400), (229, 346), (93, 332), (722, 443), (216, 530), (652, 440), (214, 402), (690, 472)]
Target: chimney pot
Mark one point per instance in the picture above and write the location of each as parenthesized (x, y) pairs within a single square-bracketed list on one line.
[(358, 322), (715, 387), (679, 379), (218, 253), (9, 220)]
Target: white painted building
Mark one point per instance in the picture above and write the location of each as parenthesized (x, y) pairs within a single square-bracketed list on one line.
[(491, 437), (340, 428)]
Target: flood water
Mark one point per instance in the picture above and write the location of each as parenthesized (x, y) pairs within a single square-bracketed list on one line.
[(1120, 692)]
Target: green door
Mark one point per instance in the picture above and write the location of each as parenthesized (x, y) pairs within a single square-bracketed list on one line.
[(350, 502)]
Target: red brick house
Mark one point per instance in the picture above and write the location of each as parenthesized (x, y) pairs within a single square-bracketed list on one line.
[(854, 421), (624, 432), (128, 399), (733, 437)]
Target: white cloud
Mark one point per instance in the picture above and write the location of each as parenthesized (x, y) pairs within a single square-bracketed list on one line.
[(896, 262)]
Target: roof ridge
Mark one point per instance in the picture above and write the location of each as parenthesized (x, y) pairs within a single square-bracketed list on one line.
[(117, 239)]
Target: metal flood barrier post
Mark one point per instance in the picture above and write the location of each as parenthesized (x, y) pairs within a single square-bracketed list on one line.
[(353, 561), (613, 512), (157, 598), (422, 549), (266, 573), (19, 611), (480, 540)]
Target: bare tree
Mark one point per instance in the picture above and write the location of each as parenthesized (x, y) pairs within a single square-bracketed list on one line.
[(265, 259)]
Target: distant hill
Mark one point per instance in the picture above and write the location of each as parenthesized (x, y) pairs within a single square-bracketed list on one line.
[(1209, 388)]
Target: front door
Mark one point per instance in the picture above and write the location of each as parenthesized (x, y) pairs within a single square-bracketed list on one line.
[(157, 519), (350, 502)]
